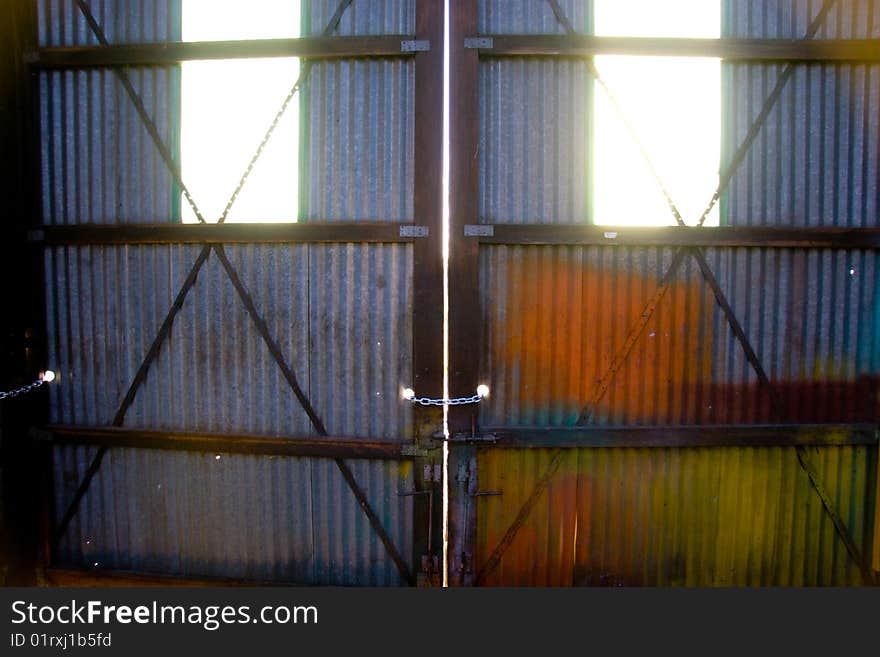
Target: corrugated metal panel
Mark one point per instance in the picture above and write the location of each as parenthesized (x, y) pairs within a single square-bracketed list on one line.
[(668, 517), (245, 517), (341, 315), (554, 318), (60, 22), (360, 141), (215, 374), (529, 17), (534, 122), (360, 339), (360, 117), (99, 165), (365, 18), (534, 129), (811, 318), (815, 161)]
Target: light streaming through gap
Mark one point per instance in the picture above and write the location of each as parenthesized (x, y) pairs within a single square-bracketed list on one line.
[(227, 106), (674, 106)]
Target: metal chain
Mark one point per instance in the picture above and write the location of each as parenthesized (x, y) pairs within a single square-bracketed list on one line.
[(10, 394), (428, 401)]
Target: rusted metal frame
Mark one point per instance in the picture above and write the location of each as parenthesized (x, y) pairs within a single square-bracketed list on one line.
[(427, 295), (621, 355), (464, 315), (728, 49), (716, 236), (325, 447), (169, 54), (768, 435), (221, 233), (317, 423)]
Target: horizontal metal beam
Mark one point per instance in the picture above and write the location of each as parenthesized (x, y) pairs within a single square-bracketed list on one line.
[(790, 50), (227, 233), (164, 54), (708, 236), (781, 435), (324, 447)]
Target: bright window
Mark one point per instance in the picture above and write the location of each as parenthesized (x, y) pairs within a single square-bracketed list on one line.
[(227, 106), (674, 106)]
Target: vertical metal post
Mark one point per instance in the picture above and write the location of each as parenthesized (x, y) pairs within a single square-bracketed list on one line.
[(428, 268), (465, 326)]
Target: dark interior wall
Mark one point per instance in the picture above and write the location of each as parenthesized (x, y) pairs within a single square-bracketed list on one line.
[(21, 314)]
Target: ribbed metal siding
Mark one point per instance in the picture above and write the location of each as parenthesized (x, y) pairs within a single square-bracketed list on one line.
[(124, 21), (99, 165), (341, 315), (360, 122), (534, 123), (365, 18), (668, 517), (245, 517), (554, 317), (815, 161)]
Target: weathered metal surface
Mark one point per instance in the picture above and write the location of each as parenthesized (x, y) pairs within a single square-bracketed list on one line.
[(668, 517), (360, 117), (815, 160), (554, 316), (534, 123), (245, 517)]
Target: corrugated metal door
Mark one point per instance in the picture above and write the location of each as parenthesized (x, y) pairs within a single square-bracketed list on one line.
[(200, 370), (667, 407)]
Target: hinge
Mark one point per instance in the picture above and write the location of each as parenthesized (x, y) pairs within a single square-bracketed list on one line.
[(478, 230), (482, 43), (411, 230), (415, 45)]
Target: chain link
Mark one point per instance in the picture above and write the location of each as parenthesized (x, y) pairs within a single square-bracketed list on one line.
[(10, 394), (428, 401)]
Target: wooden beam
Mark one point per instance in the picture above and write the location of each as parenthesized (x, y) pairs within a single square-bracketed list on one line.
[(712, 236), (323, 447), (767, 50), (781, 435), (166, 54)]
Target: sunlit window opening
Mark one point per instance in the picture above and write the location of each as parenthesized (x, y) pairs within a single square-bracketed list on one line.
[(674, 106), (227, 106)]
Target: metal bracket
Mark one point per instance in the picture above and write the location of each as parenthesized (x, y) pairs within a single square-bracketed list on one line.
[(478, 230), (415, 45), (481, 43), (411, 230)]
